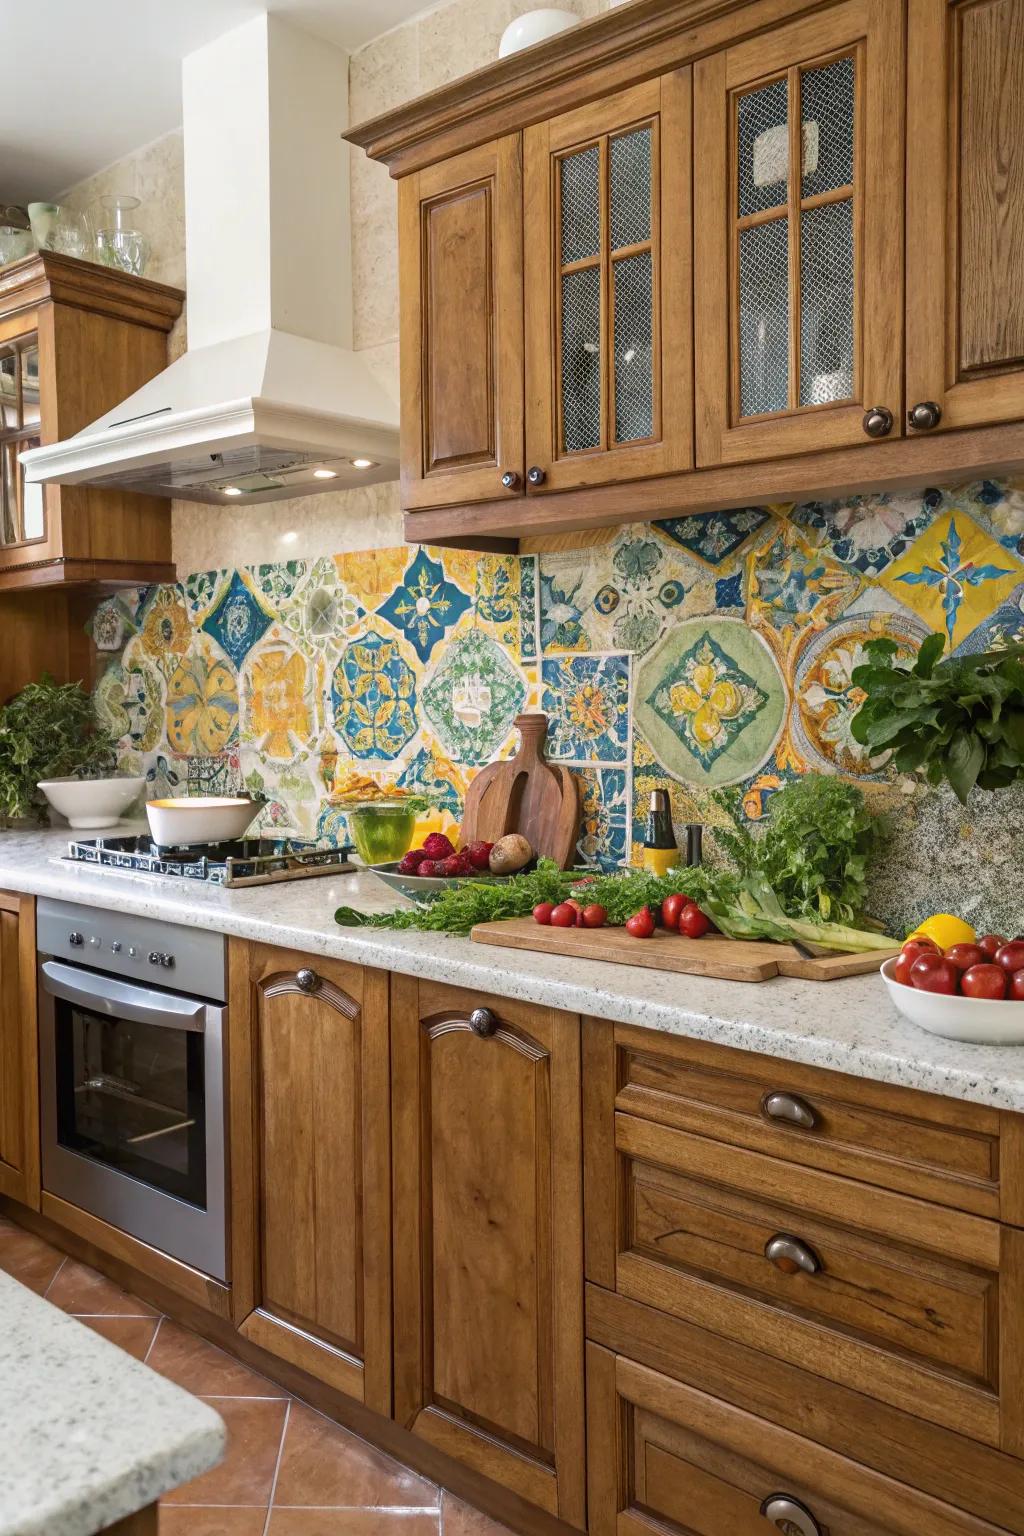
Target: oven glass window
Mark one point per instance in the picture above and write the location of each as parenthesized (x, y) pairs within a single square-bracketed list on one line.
[(131, 1096)]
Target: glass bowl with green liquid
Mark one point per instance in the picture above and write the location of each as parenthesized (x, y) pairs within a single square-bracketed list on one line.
[(382, 832)]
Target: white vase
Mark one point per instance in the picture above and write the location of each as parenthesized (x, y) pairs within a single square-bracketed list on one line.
[(534, 27)]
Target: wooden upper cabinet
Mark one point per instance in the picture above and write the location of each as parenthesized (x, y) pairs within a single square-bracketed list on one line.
[(311, 1203), (965, 213), (461, 290), (19, 1052), (608, 289), (798, 202), (488, 1259)]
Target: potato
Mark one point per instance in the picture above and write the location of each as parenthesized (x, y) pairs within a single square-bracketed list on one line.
[(510, 854)]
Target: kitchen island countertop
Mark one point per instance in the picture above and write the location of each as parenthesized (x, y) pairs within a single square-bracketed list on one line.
[(849, 1026), (89, 1434)]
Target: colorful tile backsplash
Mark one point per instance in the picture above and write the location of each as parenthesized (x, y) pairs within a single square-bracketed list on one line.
[(707, 651)]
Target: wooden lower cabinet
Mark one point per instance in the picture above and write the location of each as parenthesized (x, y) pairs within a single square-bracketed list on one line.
[(311, 1211), (663, 1453), (488, 1248), (19, 1053)]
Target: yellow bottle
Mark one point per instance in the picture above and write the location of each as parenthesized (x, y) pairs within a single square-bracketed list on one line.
[(661, 852)]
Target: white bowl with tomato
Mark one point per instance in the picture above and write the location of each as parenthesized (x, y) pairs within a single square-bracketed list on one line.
[(970, 991)]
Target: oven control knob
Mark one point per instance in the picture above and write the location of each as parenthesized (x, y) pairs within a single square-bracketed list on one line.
[(115, 946), (75, 940), (167, 961), (154, 958), (133, 953)]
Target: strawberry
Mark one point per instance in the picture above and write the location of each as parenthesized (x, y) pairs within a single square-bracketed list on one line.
[(478, 854), (455, 865), (437, 846), (428, 869), (410, 865), (415, 856)]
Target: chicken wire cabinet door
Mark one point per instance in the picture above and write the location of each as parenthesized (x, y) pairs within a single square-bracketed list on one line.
[(607, 240), (965, 213), (798, 203), (461, 291)]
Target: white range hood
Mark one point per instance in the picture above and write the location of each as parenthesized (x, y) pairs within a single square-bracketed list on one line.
[(269, 390)]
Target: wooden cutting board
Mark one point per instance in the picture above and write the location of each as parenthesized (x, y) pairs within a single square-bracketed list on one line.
[(528, 795), (713, 955)]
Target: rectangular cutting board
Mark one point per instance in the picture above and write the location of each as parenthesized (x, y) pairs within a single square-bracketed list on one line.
[(713, 955)]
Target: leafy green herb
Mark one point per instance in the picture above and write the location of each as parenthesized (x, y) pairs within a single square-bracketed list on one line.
[(815, 849), (961, 721), (48, 731)]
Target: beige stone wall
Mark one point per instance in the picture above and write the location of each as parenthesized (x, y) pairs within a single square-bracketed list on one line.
[(426, 52)]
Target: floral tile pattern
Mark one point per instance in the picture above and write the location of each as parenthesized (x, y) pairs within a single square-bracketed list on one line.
[(708, 651), (586, 700)]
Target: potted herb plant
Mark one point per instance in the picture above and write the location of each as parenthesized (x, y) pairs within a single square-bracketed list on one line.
[(48, 731)]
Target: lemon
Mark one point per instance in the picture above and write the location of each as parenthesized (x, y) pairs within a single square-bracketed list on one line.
[(945, 930)]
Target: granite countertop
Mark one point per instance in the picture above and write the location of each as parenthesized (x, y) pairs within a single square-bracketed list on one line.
[(850, 1026), (89, 1435)]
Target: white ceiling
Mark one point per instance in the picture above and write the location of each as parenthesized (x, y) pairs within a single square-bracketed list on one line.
[(86, 81)]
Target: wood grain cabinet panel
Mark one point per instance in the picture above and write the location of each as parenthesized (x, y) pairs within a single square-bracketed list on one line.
[(315, 1288), (965, 211), (798, 223), (488, 1237), (667, 1456), (461, 285), (19, 1071)]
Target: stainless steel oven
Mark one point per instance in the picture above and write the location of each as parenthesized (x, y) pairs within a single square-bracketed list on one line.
[(132, 1031)]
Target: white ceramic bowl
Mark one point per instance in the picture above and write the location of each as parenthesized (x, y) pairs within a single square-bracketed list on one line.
[(534, 27), (91, 803), (200, 819), (979, 1020)]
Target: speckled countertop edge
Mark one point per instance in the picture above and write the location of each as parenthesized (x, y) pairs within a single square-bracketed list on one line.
[(89, 1434), (849, 1026)]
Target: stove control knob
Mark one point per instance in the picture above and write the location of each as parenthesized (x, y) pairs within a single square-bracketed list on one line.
[(167, 961), (154, 958), (133, 953), (115, 946), (75, 940)]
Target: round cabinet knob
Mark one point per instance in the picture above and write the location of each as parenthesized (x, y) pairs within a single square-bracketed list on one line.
[(925, 415), (483, 1022), (536, 475), (789, 1255), (878, 421), (510, 479), (789, 1515), (788, 1108), (308, 981)]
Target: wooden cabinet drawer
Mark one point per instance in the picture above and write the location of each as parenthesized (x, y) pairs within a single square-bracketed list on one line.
[(910, 1303), (662, 1454), (938, 1149)]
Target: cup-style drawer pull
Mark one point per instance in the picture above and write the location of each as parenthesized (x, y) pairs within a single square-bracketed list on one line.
[(786, 1106), (308, 980), (789, 1255), (789, 1515), (483, 1022)]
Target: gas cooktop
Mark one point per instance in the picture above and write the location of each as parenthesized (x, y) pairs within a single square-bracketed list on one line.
[(248, 861)]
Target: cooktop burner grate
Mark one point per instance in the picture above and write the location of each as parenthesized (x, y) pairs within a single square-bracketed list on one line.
[(246, 861)]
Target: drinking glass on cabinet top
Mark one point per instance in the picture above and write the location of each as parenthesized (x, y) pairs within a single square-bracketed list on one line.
[(119, 242), (60, 228)]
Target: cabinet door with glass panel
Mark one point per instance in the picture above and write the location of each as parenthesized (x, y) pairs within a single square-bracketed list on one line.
[(607, 242), (798, 217), (22, 515)]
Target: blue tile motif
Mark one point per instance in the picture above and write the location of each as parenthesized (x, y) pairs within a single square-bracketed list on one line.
[(953, 575), (586, 700), (373, 694), (560, 627), (707, 699), (714, 536), (528, 602), (473, 697), (868, 533), (1001, 629), (425, 605), (604, 826), (426, 771), (237, 622)]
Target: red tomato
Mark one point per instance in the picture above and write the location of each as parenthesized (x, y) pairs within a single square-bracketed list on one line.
[(986, 980), (921, 946), (693, 923), (594, 916), (641, 924), (542, 912), (1016, 987), (563, 916), (934, 973), (964, 956), (902, 968), (570, 901), (990, 942), (671, 909), (1011, 956)]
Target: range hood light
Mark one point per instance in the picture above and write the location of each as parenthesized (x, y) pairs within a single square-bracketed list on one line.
[(232, 490), (325, 474), (364, 464)]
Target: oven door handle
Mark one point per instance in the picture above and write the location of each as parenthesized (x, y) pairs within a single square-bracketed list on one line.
[(122, 999)]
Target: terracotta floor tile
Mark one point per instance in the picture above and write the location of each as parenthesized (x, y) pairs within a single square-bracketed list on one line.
[(180, 1520), (458, 1519), (246, 1474), (204, 1369), (133, 1334), (27, 1257), (85, 1291), (326, 1465), (351, 1522)]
